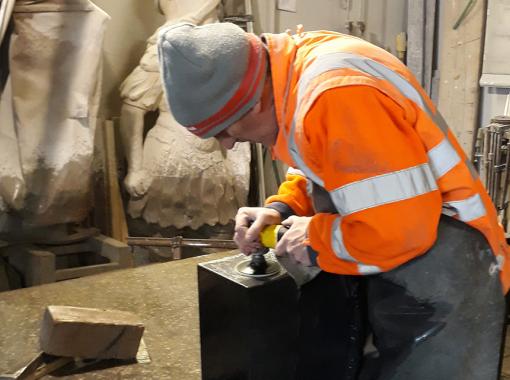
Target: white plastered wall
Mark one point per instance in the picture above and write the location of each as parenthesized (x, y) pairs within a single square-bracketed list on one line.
[(383, 19)]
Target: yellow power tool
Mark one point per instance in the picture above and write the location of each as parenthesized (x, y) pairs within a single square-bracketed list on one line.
[(257, 266)]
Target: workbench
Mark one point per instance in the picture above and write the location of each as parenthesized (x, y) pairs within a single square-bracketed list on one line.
[(164, 295)]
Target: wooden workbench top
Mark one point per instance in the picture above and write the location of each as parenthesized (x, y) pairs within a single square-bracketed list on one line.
[(165, 296)]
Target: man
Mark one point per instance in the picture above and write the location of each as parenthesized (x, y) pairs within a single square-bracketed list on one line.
[(382, 196)]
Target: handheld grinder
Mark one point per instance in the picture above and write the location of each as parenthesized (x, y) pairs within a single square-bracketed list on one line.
[(257, 266)]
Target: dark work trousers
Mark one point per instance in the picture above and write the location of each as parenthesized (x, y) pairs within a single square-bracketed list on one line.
[(437, 317), (331, 334)]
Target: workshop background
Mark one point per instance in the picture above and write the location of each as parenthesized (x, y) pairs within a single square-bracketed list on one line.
[(67, 208)]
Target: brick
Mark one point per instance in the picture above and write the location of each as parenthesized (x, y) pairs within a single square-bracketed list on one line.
[(90, 333)]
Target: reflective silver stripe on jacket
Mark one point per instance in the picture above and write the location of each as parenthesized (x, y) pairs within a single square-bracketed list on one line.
[(382, 189), (337, 242), (466, 210), (296, 156), (443, 157), (341, 60)]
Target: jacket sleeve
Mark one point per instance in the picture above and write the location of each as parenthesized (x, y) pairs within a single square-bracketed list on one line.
[(375, 169), (292, 197)]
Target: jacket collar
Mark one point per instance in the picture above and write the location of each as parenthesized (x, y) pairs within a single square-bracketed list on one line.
[(282, 50)]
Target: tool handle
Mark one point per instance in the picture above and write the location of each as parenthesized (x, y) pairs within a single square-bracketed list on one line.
[(270, 236)]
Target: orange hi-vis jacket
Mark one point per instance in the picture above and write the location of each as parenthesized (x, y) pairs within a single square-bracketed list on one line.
[(354, 121)]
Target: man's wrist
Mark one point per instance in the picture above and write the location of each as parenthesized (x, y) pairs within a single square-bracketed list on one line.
[(283, 208)]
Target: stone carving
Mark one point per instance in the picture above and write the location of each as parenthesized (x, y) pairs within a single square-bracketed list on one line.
[(174, 178), (47, 126)]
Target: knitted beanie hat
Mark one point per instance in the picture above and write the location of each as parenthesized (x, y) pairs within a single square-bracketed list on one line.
[(212, 74)]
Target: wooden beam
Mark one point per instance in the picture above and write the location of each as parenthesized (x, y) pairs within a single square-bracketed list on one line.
[(118, 225)]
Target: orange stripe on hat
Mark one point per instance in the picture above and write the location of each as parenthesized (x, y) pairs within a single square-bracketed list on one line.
[(247, 89)]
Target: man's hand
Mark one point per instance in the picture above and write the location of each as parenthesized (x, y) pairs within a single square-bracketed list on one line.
[(293, 242), (249, 223)]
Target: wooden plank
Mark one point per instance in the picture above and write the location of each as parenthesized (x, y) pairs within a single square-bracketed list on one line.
[(89, 270), (70, 249), (41, 267), (117, 223), (112, 249), (36, 266)]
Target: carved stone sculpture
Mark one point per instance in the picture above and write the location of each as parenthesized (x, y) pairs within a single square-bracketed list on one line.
[(46, 144), (174, 178)]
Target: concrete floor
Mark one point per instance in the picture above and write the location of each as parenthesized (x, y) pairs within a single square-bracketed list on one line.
[(166, 295)]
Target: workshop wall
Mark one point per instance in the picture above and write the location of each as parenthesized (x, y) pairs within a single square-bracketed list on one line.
[(314, 15), (383, 20), (132, 22), (460, 56)]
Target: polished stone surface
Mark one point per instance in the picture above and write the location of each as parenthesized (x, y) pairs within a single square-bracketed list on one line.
[(248, 326), (163, 295)]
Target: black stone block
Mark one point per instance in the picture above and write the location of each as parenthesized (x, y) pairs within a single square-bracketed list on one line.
[(248, 327)]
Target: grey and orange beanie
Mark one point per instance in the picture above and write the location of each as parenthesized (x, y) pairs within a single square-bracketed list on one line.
[(212, 74)]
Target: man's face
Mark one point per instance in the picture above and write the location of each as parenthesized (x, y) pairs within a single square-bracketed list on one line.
[(259, 125), (252, 128)]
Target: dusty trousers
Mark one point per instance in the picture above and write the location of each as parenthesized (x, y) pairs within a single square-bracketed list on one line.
[(437, 317)]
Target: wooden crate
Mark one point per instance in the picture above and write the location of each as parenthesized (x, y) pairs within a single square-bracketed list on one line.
[(39, 264)]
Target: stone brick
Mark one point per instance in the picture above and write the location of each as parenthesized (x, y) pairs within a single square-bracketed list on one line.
[(90, 333)]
